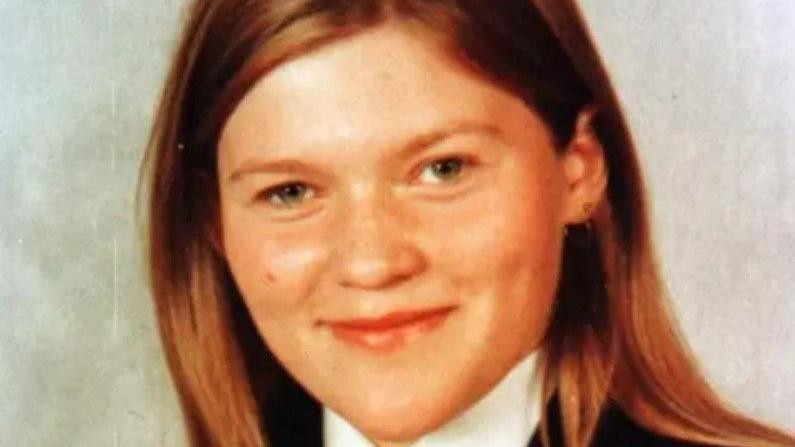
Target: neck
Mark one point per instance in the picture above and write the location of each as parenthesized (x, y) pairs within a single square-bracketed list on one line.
[(507, 415)]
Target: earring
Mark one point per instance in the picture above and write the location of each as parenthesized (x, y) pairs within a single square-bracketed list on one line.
[(586, 209)]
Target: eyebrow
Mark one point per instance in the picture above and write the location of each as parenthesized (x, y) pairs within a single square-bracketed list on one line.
[(416, 144)]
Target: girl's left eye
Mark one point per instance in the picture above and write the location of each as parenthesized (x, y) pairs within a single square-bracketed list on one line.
[(442, 170)]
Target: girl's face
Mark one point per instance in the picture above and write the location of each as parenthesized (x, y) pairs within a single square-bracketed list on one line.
[(394, 224)]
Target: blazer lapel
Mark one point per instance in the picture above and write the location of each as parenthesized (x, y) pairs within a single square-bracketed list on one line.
[(554, 429)]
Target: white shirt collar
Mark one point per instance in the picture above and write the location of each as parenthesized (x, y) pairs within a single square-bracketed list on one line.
[(508, 415)]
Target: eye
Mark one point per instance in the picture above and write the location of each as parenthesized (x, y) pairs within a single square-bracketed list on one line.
[(442, 170), (287, 195)]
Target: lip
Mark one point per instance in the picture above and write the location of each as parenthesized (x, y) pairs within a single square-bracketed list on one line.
[(388, 332)]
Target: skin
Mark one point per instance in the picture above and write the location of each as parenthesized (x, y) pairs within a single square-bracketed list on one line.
[(375, 226)]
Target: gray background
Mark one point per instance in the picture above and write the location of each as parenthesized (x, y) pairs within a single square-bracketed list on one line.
[(710, 90)]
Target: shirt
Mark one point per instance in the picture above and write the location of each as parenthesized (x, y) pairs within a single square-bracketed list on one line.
[(506, 416)]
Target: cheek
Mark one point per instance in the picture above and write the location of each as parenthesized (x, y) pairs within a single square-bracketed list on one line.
[(504, 256), (273, 272), (506, 231)]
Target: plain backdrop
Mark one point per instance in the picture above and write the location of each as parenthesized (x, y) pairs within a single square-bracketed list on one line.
[(709, 86)]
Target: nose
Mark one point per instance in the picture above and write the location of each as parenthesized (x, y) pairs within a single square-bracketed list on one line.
[(373, 247)]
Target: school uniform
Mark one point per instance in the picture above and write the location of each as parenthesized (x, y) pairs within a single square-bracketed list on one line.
[(507, 416)]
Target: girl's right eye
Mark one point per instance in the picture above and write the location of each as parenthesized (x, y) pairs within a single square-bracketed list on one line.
[(287, 195), (443, 170)]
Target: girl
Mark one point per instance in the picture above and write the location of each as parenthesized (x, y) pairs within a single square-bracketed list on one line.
[(411, 222)]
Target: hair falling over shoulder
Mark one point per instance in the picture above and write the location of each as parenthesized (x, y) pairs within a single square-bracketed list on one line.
[(612, 337)]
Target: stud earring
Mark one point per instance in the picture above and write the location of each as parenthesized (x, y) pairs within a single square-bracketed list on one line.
[(586, 209)]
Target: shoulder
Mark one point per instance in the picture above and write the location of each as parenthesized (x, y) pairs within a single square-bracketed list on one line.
[(617, 429)]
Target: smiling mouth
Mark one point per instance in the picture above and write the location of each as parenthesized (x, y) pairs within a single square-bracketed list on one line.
[(388, 332)]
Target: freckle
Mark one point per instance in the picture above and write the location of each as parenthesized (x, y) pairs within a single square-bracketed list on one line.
[(269, 276)]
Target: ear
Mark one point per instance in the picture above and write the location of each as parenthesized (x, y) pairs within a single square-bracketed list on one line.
[(584, 169)]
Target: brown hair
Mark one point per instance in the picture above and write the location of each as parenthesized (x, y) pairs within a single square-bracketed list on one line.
[(612, 337)]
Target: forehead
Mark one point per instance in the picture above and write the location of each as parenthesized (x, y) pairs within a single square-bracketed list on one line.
[(376, 87)]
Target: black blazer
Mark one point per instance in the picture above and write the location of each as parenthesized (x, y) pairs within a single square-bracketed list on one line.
[(295, 421)]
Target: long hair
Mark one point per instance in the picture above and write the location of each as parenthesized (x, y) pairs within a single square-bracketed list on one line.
[(612, 338)]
